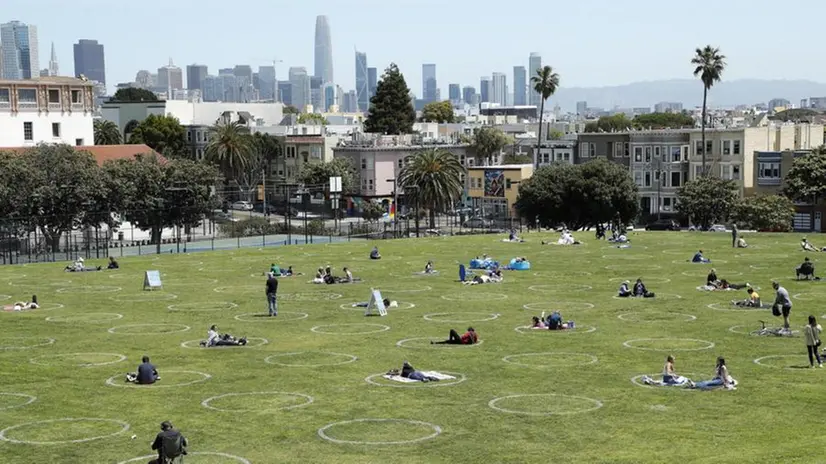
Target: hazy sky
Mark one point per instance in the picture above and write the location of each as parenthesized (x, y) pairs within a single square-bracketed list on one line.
[(589, 43)]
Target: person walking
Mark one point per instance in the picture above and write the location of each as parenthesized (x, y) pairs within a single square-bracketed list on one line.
[(782, 304), (272, 294), (812, 335), (734, 233)]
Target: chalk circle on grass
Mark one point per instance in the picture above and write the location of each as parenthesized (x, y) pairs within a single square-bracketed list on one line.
[(388, 290), (669, 344), (144, 297), (578, 329), (552, 288), (80, 289), (207, 306), (658, 297), (565, 273), (656, 316), (676, 252), (78, 359), (379, 381), (711, 263), (91, 318), (759, 268), (354, 307), (118, 380), (733, 308), (751, 330), (391, 431), (221, 456), (273, 401), (704, 273), (309, 296), (147, 329), (6, 434), (473, 316), (557, 405), (5, 297), (558, 306), (345, 359), (652, 280), (368, 329), (283, 316), (33, 283), (239, 289), (626, 257), (637, 380), (551, 359), (24, 343), (424, 342), (632, 266), (809, 296), (480, 296), (252, 342), (17, 400), (766, 361), (187, 281)]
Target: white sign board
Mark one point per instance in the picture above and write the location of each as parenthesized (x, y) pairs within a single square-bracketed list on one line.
[(335, 184), (152, 280), (376, 302)]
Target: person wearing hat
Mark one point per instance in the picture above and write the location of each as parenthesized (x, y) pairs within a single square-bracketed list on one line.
[(170, 445), (272, 294), (625, 289)]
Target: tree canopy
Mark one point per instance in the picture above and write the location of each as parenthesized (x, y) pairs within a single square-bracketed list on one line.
[(290, 109), (312, 118), (489, 141), (433, 179), (231, 148), (663, 121), (391, 110), (773, 213), (441, 112), (107, 133), (132, 95), (707, 200), (545, 83), (616, 123), (579, 195), (164, 134), (320, 174), (798, 115), (806, 179)]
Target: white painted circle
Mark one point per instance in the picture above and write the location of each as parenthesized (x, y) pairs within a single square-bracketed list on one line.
[(481, 296), (402, 305), (675, 252), (711, 263), (187, 281), (562, 274), (146, 297), (776, 356), (702, 273), (637, 380), (89, 289), (489, 317), (655, 280), (626, 267), (381, 328), (307, 401), (196, 344), (181, 328), (628, 317), (388, 290), (3, 433), (551, 288), (630, 344), (309, 296), (578, 329), (50, 306), (5, 297), (203, 307), (622, 257), (586, 359), (733, 308), (91, 318), (594, 404), (29, 400), (350, 359), (111, 381), (659, 297), (3, 346), (560, 306), (322, 432), (233, 457), (120, 358), (240, 289), (371, 379), (32, 283), (265, 317), (402, 343), (810, 296)]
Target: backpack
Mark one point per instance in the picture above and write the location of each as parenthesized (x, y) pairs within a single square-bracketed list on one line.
[(172, 445), (554, 320)]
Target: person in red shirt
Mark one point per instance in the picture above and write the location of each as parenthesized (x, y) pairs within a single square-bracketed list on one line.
[(468, 338)]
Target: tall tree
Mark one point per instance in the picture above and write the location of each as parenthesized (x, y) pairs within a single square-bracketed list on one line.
[(806, 179), (312, 118), (391, 109), (231, 149), (709, 65), (489, 141), (441, 112), (433, 180), (132, 95), (107, 133), (270, 149), (707, 200), (164, 134), (773, 213), (320, 173), (545, 83)]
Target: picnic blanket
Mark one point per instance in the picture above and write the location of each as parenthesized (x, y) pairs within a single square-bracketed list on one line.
[(438, 375)]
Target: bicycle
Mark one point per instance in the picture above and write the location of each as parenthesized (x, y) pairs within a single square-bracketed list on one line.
[(772, 331)]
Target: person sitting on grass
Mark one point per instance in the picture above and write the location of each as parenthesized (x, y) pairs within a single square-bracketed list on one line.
[(512, 237), (537, 323), (275, 270), (641, 291), (22, 305), (721, 378), (428, 268), (554, 321), (741, 243), (670, 377), (78, 266), (170, 445), (807, 246), (617, 237), (711, 279), (374, 253), (328, 276), (625, 289), (145, 375), (289, 272), (216, 339), (753, 301), (806, 270), (699, 258), (112, 263), (468, 338), (348, 277)]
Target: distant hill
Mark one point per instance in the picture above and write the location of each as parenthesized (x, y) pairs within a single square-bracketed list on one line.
[(689, 92)]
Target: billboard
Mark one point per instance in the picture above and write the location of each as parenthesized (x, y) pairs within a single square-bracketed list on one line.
[(494, 183)]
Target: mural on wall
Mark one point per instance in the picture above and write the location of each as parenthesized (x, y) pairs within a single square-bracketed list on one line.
[(494, 183)]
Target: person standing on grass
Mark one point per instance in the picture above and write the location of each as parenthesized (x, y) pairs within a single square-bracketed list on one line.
[(272, 297), (734, 235), (812, 335), (782, 303)]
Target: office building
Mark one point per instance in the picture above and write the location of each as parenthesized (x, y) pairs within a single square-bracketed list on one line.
[(323, 50), (668, 107), (430, 88), (469, 95), (534, 63), (267, 83), (500, 89), (362, 82), (581, 108), (372, 81), (300, 81), (520, 86), (485, 90), (195, 76), (170, 77), (89, 60), (454, 93), (285, 92), (350, 103), (19, 51), (211, 89), (54, 68)]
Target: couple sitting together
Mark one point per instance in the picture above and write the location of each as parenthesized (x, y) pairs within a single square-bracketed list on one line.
[(493, 276), (713, 283), (78, 266), (22, 305), (639, 290), (565, 238), (512, 237), (277, 271), (671, 379), (552, 322), (216, 339), (325, 276)]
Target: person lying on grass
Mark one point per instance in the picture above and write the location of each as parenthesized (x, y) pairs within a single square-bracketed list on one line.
[(386, 301), (216, 339), (806, 246), (491, 277), (78, 266), (537, 323), (721, 378), (713, 283), (22, 305), (468, 338), (409, 372), (753, 300), (806, 270), (145, 375), (670, 377), (617, 237), (112, 264)]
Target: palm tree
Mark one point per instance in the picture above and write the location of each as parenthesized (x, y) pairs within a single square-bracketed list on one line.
[(433, 179), (230, 148), (545, 84), (709, 67), (107, 133)]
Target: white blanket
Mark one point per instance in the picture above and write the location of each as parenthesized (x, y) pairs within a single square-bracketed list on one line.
[(438, 375)]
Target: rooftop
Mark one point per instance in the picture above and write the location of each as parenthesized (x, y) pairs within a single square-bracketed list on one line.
[(51, 80)]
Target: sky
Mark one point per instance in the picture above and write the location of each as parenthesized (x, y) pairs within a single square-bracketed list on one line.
[(590, 43)]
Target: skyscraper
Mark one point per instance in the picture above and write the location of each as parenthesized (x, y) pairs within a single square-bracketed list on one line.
[(534, 63), (266, 83), (372, 81), (212, 89), (195, 76), (430, 88), (362, 82), (581, 108), (243, 74), (54, 68), (323, 50), (520, 86), (19, 51), (454, 93), (469, 95), (485, 90), (170, 77), (500, 89), (300, 83), (89, 60)]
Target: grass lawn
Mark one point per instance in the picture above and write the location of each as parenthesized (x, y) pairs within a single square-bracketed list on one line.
[(576, 386)]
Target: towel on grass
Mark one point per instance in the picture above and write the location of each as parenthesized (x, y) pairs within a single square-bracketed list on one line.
[(438, 375)]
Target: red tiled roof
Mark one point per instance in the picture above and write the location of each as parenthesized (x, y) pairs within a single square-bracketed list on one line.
[(103, 153)]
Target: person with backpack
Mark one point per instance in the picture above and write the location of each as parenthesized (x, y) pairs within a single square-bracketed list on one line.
[(170, 445)]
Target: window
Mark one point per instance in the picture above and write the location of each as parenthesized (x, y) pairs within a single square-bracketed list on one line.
[(593, 151), (291, 152), (27, 98), (675, 179), (638, 154), (656, 152), (315, 152), (736, 149), (726, 147), (618, 151), (735, 172), (461, 160), (698, 171), (370, 184), (56, 129), (685, 152), (28, 131), (675, 154), (666, 202), (364, 163), (5, 97), (768, 170), (508, 184), (76, 97), (78, 142), (54, 96), (709, 147), (698, 147), (198, 136), (647, 154), (647, 182), (725, 171), (638, 178), (189, 136), (583, 150), (401, 163), (627, 149)]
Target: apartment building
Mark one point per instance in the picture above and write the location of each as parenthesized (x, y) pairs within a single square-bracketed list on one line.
[(493, 190), (616, 146), (659, 165)]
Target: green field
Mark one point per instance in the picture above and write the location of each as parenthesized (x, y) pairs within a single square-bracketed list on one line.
[(773, 416)]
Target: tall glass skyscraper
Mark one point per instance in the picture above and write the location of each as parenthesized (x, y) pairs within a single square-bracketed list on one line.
[(520, 86), (323, 50), (89, 60), (454, 93), (430, 88), (19, 51), (485, 90), (362, 82), (534, 63), (500, 89)]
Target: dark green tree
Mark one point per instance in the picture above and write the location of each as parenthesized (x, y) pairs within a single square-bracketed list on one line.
[(806, 179), (270, 149), (663, 121), (132, 95), (707, 200), (709, 64), (510, 158), (433, 179), (616, 123), (107, 133), (232, 150), (556, 134), (164, 134), (312, 118), (319, 174), (391, 110), (489, 141), (441, 112), (290, 109), (773, 213), (129, 128), (545, 83), (372, 211)]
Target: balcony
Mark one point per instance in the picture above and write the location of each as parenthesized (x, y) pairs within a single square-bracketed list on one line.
[(769, 181)]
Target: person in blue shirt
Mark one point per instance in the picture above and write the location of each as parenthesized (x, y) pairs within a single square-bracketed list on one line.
[(699, 258), (374, 253), (146, 374)]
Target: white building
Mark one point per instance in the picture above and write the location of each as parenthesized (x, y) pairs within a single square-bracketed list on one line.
[(46, 110)]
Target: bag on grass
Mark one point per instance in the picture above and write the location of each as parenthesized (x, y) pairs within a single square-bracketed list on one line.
[(776, 310)]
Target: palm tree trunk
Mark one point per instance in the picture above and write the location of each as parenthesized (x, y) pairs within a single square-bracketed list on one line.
[(432, 218), (539, 133), (703, 129)]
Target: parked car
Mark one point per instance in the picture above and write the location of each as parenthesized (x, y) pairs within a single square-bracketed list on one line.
[(242, 206), (663, 224), (476, 223), (717, 228)]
